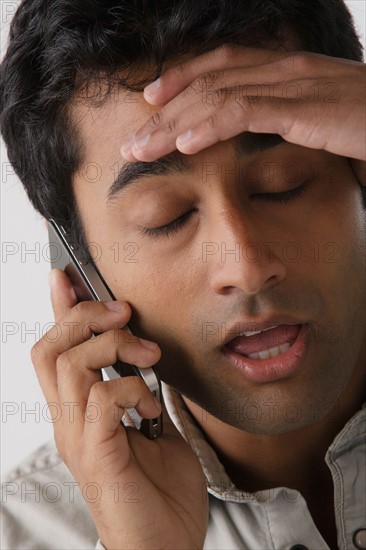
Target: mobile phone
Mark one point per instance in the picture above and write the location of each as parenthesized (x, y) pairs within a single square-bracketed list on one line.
[(89, 284)]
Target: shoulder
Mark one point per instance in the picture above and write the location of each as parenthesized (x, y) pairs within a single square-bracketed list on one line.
[(42, 505), (43, 458)]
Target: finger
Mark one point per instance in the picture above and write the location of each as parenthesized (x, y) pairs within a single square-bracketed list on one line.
[(190, 106), (303, 122), (63, 295), (297, 123), (79, 324), (63, 298), (79, 409), (282, 80), (308, 124), (174, 80), (303, 73), (228, 113), (75, 328), (109, 399), (78, 368), (107, 348)]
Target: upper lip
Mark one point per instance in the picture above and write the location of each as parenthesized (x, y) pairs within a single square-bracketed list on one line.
[(239, 327)]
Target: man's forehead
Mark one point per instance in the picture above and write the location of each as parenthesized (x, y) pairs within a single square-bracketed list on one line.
[(104, 129), (96, 90), (106, 118)]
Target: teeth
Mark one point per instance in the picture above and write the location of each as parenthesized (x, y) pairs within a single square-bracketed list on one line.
[(271, 352), (252, 333)]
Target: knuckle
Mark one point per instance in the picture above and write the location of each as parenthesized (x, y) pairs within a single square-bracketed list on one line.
[(156, 120), (99, 392), (42, 348), (241, 105), (170, 125), (227, 51), (210, 77), (118, 336), (37, 352), (193, 89), (200, 85), (298, 61), (276, 57), (72, 358), (114, 336), (303, 61), (219, 98), (63, 361), (131, 386), (212, 122), (81, 308), (179, 69)]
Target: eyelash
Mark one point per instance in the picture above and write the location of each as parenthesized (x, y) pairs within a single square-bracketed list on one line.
[(170, 228), (285, 197)]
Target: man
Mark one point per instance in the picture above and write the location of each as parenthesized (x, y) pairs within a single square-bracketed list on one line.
[(238, 179)]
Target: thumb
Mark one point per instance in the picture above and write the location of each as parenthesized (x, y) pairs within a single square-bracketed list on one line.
[(63, 296)]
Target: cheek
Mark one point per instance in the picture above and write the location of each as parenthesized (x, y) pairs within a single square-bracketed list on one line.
[(162, 293), (342, 266), (337, 222)]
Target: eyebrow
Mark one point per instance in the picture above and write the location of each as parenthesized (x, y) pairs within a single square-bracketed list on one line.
[(175, 163)]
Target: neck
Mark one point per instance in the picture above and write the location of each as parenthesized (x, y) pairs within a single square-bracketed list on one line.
[(295, 459)]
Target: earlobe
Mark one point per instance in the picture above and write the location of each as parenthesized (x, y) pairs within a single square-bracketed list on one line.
[(359, 169)]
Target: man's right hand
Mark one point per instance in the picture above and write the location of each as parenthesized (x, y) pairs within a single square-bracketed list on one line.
[(141, 493)]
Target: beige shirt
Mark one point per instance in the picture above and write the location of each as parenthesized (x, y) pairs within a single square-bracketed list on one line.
[(43, 508)]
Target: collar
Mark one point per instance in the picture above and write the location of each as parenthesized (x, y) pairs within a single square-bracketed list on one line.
[(217, 480)]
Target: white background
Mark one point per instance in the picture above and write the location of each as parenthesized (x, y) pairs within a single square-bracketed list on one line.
[(25, 304)]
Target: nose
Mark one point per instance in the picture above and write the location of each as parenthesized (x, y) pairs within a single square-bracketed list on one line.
[(242, 255)]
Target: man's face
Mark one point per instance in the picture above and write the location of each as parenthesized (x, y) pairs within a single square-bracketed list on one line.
[(239, 257)]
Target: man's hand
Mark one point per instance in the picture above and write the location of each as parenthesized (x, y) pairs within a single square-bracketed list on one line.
[(141, 493), (309, 99)]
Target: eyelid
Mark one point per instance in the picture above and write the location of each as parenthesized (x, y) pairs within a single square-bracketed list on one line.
[(282, 196), (168, 228)]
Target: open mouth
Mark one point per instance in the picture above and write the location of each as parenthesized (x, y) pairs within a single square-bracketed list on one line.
[(269, 354), (266, 343)]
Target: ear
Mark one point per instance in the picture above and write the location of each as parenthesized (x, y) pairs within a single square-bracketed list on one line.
[(359, 169)]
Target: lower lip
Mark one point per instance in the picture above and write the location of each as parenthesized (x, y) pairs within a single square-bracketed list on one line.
[(284, 365)]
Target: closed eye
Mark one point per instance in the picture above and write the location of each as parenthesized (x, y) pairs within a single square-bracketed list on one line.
[(169, 228), (283, 197), (173, 227)]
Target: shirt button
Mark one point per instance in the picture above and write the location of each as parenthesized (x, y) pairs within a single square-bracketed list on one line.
[(359, 539), (299, 547)]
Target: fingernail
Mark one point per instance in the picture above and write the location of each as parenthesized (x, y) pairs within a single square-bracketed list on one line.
[(184, 138), (147, 344), (115, 305), (152, 88), (142, 141)]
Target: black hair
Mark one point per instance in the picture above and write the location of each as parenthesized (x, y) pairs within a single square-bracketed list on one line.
[(58, 47)]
